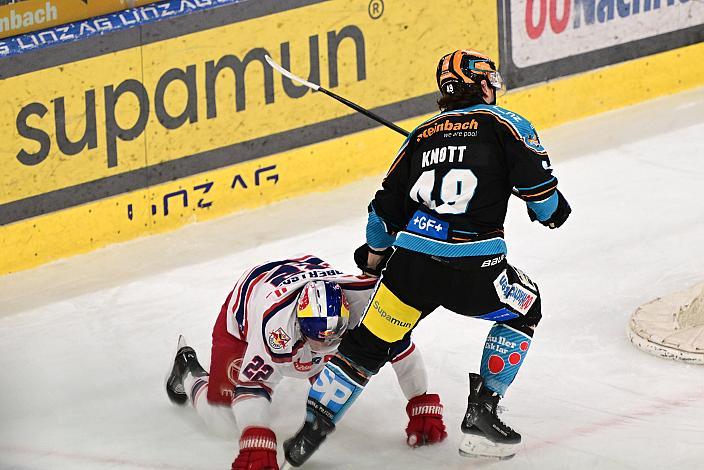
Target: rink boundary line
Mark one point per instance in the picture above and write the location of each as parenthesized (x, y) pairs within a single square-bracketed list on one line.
[(93, 459), (662, 407)]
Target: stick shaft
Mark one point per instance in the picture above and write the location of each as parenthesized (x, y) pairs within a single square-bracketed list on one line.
[(365, 111), (345, 101)]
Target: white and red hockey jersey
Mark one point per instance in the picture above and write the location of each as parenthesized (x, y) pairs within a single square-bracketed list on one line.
[(261, 312)]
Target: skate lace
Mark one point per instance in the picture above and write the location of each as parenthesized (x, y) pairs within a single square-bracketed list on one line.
[(492, 405)]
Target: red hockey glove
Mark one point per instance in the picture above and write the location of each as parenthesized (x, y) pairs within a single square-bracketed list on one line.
[(257, 450), (425, 425)]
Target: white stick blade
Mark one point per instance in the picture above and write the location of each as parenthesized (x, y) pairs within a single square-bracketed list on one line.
[(288, 74)]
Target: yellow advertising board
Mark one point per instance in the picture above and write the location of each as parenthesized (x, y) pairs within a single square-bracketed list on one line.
[(194, 125), (33, 15), (127, 134), (179, 98)]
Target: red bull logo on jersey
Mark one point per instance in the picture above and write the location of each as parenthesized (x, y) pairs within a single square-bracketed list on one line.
[(514, 295), (278, 339)]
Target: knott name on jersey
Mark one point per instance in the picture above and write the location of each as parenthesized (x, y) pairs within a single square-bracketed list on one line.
[(442, 154)]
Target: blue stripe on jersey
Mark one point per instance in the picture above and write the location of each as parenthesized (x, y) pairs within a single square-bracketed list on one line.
[(521, 125), (544, 209), (538, 185), (409, 241), (242, 305), (377, 234)]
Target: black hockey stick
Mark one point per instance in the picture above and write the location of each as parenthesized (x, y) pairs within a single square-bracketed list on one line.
[(342, 100), (339, 98)]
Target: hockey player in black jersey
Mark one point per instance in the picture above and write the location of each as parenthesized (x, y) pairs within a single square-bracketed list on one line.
[(442, 206)]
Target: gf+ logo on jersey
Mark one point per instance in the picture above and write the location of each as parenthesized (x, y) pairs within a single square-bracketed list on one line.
[(424, 224)]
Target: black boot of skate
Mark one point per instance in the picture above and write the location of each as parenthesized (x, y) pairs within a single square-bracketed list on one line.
[(485, 434), (301, 447), (185, 362)]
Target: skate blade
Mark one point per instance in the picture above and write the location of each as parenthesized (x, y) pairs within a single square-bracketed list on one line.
[(181, 343), (474, 446)]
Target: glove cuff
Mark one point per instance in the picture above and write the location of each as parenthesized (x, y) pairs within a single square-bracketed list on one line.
[(426, 405), (256, 438)]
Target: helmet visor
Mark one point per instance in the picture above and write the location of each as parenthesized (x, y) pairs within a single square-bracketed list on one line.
[(488, 69), (496, 81)]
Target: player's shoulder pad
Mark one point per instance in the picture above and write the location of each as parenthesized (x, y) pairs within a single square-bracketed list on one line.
[(520, 127)]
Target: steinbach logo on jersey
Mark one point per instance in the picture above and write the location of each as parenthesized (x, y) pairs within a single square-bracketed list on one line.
[(514, 295), (447, 125), (278, 339)]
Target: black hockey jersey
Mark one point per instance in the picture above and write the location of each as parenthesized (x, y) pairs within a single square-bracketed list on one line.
[(447, 191)]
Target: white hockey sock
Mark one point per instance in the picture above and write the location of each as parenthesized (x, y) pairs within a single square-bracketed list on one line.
[(196, 388), (219, 419)]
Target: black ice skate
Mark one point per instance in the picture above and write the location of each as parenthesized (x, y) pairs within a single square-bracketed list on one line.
[(485, 434), (301, 447), (185, 362)]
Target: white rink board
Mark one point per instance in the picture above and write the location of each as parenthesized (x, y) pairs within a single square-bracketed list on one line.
[(86, 342)]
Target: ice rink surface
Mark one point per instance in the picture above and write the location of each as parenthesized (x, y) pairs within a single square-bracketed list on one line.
[(86, 342)]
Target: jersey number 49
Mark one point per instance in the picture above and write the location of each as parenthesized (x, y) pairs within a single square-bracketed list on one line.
[(455, 191)]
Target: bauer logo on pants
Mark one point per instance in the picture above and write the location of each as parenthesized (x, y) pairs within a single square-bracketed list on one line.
[(514, 295)]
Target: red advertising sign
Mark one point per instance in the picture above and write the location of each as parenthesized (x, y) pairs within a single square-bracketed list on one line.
[(545, 39)]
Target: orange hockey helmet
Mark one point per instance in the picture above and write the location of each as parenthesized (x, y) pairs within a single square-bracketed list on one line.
[(463, 68)]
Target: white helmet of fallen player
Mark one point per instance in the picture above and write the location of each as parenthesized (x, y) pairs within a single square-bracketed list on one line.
[(323, 314)]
